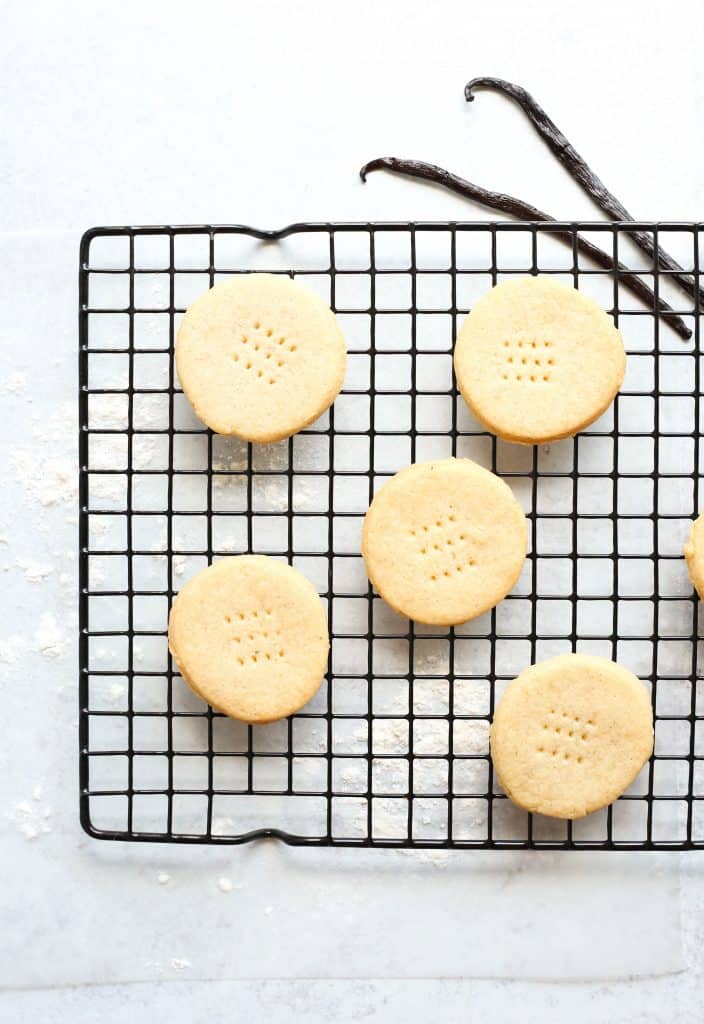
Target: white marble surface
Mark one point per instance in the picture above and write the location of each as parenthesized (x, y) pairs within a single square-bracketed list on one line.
[(149, 113)]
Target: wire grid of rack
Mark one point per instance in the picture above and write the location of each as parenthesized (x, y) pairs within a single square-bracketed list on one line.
[(393, 751)]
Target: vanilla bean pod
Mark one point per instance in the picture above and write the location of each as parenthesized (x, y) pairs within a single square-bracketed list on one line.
[(525, 211), (582, 173)]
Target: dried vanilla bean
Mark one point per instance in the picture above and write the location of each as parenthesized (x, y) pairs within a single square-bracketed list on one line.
[(525, 211), (581, 172)]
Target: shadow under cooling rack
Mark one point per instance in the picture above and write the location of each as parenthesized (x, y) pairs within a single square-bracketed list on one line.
[(393, 751)]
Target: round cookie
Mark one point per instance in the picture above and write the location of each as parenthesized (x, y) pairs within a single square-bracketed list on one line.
[(249, 635), (537, 361), (444, 541), (694, 554), (570, 735), (260, 356)]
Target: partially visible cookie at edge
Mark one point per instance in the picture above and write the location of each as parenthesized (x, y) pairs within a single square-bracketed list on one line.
[(694, 554), (444, 541), (249, 635), (260, 356), (570, 735), (536, 360)]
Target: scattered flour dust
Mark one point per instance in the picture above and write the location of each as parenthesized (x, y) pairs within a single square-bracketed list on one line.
[(176, 963), (13, 384), (49, 640), (108, 488), (116, 691), (438, 858), (50, 480), (109, 412), (32, 819), (270, 458), (305, 498), (271, 494), (229, 455), (223, 826), (11, 647), (227, 885), (431, 660), (34, 572), (47, 468), (143, 450), (109, 452), (98, 526)]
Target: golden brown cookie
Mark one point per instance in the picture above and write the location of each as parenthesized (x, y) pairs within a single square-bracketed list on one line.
[(537, 361), (250, 637), (260, 356), (570, 735), (444, 541), (694, 554)]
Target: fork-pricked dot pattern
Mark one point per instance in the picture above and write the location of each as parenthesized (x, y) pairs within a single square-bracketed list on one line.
[(263, 352), (445, 547), (393, 751), (531, 360), (565, 735)]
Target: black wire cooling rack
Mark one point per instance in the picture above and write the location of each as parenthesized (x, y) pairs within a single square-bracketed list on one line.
[(393, 752)]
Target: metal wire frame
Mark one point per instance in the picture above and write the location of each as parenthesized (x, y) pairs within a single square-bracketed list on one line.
[(683, 829)]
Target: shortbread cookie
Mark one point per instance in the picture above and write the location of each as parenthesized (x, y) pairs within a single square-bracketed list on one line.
[(570, 735), (444, 541), (694, 554), (249, 635), (537, 361), (260, 356)]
